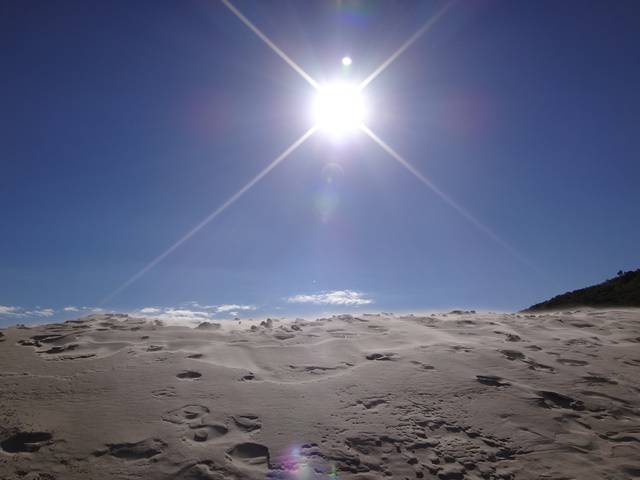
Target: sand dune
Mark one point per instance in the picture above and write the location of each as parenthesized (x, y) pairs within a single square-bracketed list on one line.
[(446, 396)]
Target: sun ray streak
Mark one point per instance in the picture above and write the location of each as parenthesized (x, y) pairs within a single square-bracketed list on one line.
[(450, 201), (412, 39), (270, 44), (213, 214)]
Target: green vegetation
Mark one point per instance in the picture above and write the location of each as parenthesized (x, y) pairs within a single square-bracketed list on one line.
[(621, 291)]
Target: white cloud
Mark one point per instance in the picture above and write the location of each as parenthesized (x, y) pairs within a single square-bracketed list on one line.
[(44, 312), (185, 312), (20, 312), (176, 316), (183, 315), (150, 310), (7, 310), (194, 312), (336, 297), (72, 308), (194, 304), (233, 309)]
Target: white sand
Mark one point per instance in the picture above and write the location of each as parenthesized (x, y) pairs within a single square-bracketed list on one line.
[(453, 396)]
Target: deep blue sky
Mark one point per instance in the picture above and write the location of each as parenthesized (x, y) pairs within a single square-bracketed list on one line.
[(123, 124)]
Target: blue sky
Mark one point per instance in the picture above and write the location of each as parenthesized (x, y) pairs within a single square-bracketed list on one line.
[(125, 124)]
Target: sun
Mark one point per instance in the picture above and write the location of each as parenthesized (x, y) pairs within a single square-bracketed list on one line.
[(339, 108)]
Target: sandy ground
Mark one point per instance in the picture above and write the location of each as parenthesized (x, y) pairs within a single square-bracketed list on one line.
[(447, 396)]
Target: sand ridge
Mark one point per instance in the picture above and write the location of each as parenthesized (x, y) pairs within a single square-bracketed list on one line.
[(449, 396)]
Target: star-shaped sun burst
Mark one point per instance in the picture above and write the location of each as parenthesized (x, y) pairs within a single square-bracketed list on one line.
[(338, 109)]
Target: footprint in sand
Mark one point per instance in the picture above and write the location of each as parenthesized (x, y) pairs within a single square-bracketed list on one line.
[(539, 366), (382, 356), (318, 369), (283, 335), (25, 442), (510, 337), (492, 380), (549, 399), (372, 403), (189, 375), (164, 392), (61, 348), (571, 362), (581, 324), (205, 470), (48, 338), (378, 328), (424, 366), (533, 365), (513, 354), (249, 453), (248, 422), (596, 380), (186, 414), (633, 471), (147, 448), (461, 348)]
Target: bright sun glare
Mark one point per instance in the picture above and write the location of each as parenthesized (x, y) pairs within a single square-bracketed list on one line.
[(339, 108)]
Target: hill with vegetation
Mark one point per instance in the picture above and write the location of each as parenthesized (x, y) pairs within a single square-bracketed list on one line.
[(620, 291)]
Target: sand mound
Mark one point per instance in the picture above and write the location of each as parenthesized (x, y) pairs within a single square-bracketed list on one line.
[(462, 395)]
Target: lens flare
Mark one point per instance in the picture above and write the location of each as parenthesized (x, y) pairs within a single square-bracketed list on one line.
[(303, 462), (332, 173), (338, 109), (412, 39), (446, 198), (230, 201), (270, 43), (326, 203)]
